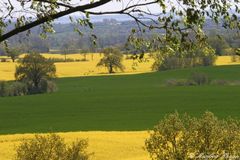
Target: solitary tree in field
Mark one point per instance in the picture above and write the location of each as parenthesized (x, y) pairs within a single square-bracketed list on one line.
[(13, 53), (35, 70), (112, 60), (177, 18), (66, 48)]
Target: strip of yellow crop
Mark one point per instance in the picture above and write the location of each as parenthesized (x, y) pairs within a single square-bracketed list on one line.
[(225, 60), (88, 68), (105, 145), (83, 68)]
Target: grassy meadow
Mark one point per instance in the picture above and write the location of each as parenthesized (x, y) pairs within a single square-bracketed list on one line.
[(117, 103), (112, 112)]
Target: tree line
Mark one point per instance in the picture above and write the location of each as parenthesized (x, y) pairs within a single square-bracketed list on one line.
[(114, 34)]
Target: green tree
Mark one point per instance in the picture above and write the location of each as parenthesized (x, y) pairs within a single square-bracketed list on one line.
[(35, 70), (51, 147), (172, 55), (185, 138), (219, 44), (66, 49), (112, 60), (13, 53)]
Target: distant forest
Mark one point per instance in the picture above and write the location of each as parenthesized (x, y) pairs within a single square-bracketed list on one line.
[(109, 32)]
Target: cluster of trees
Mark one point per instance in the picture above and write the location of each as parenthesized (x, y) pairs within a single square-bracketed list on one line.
[(26, 44), (111, 34), (33, 75), (185, 137), (174, 56), (224, 43)]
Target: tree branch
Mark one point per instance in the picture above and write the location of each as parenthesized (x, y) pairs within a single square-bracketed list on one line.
[(42, 20)]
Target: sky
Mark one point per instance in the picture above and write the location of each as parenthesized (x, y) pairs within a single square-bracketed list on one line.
[(119, 5), (111, 6)]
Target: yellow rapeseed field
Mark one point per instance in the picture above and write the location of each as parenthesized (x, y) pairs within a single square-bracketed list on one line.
[(105, 145), (226, 60), (88, 68), (83, 68)]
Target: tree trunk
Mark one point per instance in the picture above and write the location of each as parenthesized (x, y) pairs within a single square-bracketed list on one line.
[(110, 69)]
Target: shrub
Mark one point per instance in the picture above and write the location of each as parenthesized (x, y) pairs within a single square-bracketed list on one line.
[(3, 89), (180, 82), (55, 60), (235, 58), (17, 89), (200, 78), (21, 88), (208, 56), (220, 82), (51, 147), (208, 60), (81, 60), (13, 89), (183, 138), (170, 63), (47, 86)]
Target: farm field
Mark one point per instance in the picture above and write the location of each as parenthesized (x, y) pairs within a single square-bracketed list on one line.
[(88, 68), (113, 112), (103, 145), (119, 103), (83, 68)]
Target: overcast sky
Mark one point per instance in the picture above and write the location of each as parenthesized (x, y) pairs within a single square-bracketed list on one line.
[(109, 6), (119, 5)]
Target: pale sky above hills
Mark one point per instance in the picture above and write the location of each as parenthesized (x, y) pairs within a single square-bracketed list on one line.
[(111, 5)]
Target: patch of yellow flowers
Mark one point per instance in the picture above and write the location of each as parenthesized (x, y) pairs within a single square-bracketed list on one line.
[(104, 145), (82, 68), (88, 68)]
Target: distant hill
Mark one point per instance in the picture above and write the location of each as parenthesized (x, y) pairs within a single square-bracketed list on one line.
[(99, 18), (110, 31)]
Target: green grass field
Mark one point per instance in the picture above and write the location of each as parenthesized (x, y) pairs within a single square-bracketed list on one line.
[(131, 102)]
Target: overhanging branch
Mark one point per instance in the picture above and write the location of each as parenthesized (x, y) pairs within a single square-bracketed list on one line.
[(42, 20)]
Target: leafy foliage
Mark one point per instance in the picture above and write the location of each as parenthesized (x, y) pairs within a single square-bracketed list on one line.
[(185, 137), (175, 56), (13, 53), (13, 89), (200, 78), (35, 71), (112, 60), (51, 147)]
